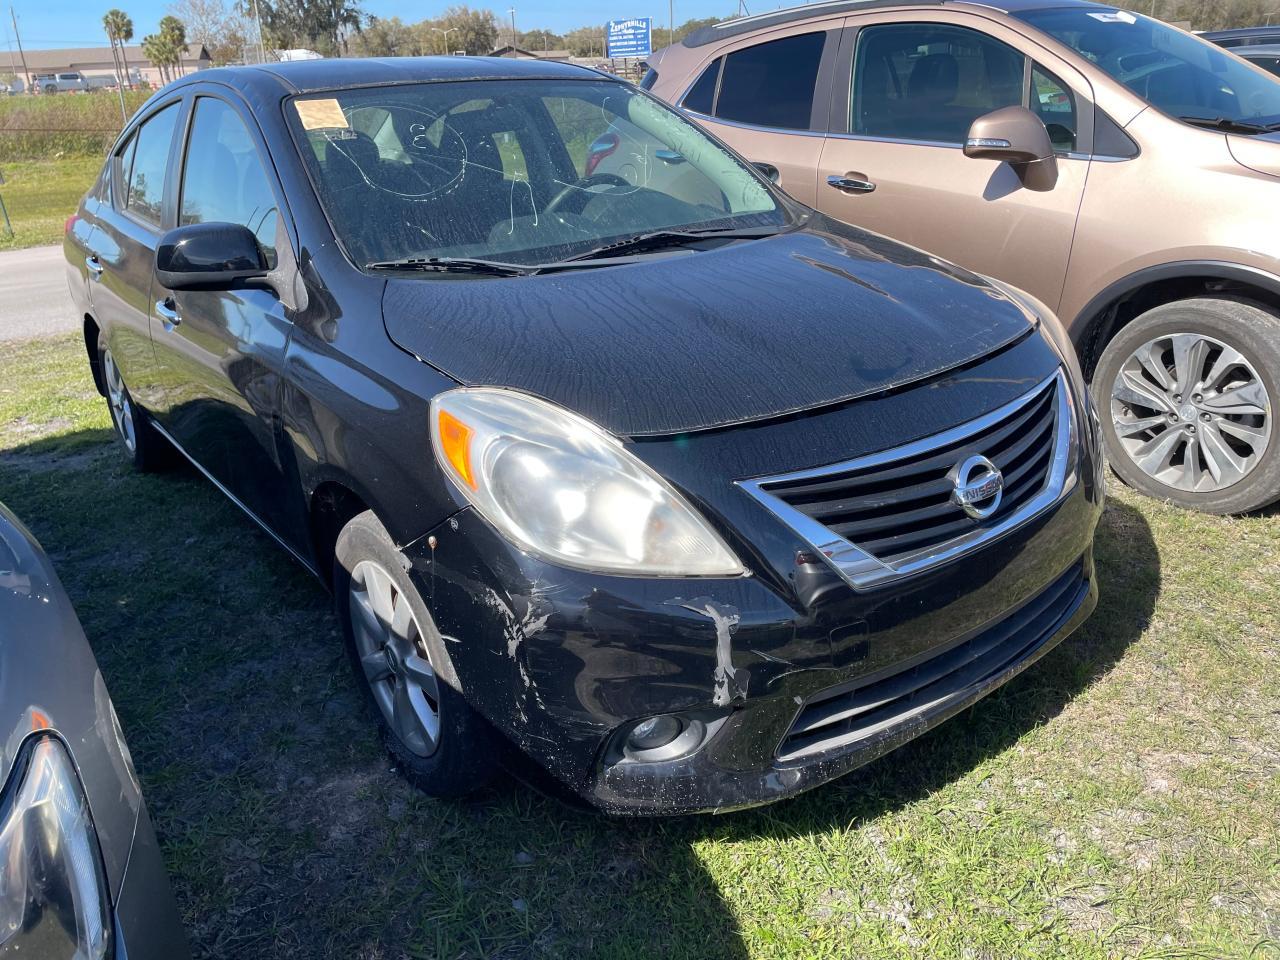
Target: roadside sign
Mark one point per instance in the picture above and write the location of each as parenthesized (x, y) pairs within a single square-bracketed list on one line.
[(630, 38)]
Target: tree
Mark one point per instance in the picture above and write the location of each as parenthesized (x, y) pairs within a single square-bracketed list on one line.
[(387, 37), (323, 25), (220, 28), (119, 27), (475, 31), (174, 34), (585, 41), (689, 26), (541, 39)]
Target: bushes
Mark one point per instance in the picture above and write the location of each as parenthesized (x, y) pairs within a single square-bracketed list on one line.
[(47, 126)]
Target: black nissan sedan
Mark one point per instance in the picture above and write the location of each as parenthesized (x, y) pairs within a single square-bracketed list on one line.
[(607, 448)]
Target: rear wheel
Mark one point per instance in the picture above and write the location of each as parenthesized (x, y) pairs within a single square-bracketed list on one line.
[(1188, 391), (398, 655), (145, 448)]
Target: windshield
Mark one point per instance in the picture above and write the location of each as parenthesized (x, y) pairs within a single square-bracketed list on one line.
[(518, 171), (1177, 73)]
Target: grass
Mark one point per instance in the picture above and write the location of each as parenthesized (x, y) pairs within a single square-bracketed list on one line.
[(40, 195), (1121, 799)]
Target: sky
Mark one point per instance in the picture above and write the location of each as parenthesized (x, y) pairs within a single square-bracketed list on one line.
[(44, 24)]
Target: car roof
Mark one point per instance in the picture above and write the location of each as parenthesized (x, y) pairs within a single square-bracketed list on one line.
[(305, 76), (1257, 50), (1241, 32), (742, 25)]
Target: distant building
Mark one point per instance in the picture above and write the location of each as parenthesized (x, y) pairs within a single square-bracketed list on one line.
[(97, 62), (520, 53)]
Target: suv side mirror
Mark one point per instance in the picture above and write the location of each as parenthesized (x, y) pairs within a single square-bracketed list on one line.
[(209, 256), (1018, 137), (769, 170)]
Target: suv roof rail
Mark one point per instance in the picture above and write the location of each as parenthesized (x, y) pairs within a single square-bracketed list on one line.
[(731, 28)]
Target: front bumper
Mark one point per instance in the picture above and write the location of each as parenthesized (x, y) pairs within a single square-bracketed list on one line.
[(562, 662)]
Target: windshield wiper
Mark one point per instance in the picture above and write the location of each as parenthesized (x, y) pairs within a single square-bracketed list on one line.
[(658, 239), (1228, 125), (493, 268)]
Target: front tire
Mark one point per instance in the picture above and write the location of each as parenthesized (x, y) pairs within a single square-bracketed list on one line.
[(146, 449), (1187, 393), (445, 748)]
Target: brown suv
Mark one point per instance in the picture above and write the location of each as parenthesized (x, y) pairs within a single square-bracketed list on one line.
[(1121, 171)]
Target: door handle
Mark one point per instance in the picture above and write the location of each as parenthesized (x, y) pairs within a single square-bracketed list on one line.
[(168, 312), (850, 184), (94, 265)]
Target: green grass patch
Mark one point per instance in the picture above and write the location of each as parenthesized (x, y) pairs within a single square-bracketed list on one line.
[(40, 195), (47, 127), (1120, 799)]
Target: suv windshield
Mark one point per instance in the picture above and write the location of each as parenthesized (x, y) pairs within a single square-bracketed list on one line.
[(1177, 73), (519, 171)]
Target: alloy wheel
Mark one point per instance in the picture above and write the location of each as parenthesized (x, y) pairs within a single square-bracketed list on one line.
[(1191, 412), (121, 405), (393, 655)]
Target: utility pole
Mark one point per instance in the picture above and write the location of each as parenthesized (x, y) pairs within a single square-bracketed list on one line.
[(257, 16), (14, 17), (512, 11)]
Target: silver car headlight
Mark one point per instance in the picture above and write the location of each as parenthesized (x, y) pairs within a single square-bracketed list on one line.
[(559, 486), (53, 890)]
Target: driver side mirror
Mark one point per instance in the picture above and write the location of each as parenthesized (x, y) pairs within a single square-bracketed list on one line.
[(209, 256), (1018, 137)]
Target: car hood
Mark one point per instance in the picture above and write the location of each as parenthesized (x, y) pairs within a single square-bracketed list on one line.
[(695, 341), (1261, 154)]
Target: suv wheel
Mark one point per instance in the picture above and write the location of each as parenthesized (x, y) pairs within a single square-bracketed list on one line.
[(1187, 393), (430, 730), (146, 449)]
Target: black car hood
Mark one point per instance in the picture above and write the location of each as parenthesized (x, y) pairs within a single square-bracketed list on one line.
[(671, 344)]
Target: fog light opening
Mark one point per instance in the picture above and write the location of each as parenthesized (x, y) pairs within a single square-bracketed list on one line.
[(664, 737), (653, 733)]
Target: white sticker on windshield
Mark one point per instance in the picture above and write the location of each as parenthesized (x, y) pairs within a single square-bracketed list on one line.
[(1118, 16), (321, 114)]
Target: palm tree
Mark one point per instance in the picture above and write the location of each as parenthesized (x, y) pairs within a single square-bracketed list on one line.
[(174, 33), (119, 29)]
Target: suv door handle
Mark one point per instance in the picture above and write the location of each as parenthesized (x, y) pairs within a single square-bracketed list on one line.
[(168, 312), (94, 265), (850, 184)]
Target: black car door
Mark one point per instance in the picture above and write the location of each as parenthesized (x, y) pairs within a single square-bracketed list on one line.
[(122, 249), (220, 352)]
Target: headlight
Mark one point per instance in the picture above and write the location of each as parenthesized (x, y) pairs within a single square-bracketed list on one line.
[(557, 485), (53, 892)]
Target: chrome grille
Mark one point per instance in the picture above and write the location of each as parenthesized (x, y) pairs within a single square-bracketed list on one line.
[(892, 513)]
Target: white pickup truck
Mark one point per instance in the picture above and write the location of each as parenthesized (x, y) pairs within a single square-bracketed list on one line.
[(71, 80)]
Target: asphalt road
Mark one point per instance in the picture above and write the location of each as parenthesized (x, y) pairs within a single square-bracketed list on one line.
[(34, 301)]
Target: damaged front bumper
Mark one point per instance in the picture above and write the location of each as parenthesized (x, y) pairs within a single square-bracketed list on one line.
[(785, 694)]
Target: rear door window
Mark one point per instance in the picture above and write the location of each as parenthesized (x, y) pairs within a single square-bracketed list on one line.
[(149, 163), (772, 84), (922, 81)]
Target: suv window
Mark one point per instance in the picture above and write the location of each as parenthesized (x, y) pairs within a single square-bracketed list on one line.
[(223, 179), (920, 81), (702, 95), (772, 84), (1052, 101), (145, 162)]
